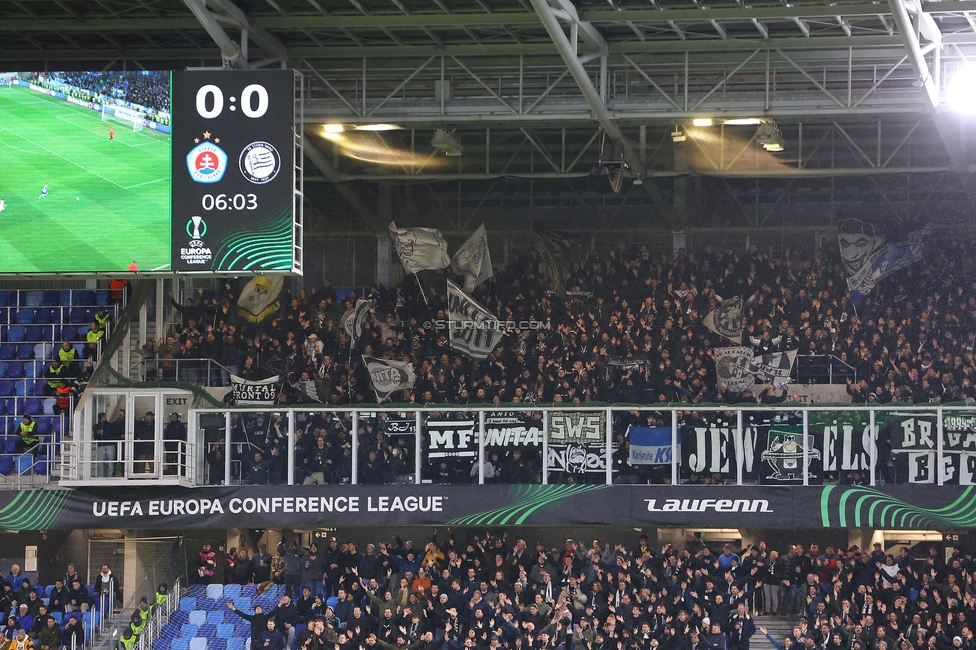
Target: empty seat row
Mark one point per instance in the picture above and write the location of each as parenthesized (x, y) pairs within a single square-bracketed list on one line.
[(30, 369), (55, 298), (199, 643), (44, 333), (233, 591), (23, 465)]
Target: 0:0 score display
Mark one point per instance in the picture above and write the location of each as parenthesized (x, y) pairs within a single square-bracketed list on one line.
[(232, 202)]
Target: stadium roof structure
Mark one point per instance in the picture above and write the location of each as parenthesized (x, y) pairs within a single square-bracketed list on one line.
[(593, 102)]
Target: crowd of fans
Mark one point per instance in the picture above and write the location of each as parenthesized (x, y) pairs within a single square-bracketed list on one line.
[(147, 92), (56, 620), (629, 330), (492, 592)]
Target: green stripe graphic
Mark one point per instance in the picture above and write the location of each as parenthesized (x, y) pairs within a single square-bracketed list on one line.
[(861, 506), (34, 510), (525, 500)]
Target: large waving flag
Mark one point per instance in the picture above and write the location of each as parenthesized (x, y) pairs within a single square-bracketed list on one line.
[(726, 319), (389, 377), (868, 258), (420, 248), (472, 260), (259, 298)]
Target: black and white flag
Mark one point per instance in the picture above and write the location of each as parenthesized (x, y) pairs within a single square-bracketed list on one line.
[(248, 392), (726, 319), (472, 260), (474, 329), (774, 367), (389, 377), (732, 368), (420, 248), (354, 319)]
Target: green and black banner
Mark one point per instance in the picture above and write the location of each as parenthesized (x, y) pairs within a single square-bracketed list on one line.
[(896, 506)]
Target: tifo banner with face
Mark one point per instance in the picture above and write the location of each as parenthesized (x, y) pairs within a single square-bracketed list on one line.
[(894, 506), (868, 257)]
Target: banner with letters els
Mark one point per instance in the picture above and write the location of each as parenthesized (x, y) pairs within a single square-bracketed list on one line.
[(174, 508)]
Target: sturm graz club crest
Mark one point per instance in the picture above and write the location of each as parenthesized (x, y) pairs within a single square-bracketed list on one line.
[(259, 162)]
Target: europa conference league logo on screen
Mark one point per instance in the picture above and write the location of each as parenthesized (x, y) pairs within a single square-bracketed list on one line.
[(233, 145)]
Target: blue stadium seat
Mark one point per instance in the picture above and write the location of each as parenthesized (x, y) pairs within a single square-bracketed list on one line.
[(33, 369), (232, 591), (57, 616), (52, 298), (188, 603), (48, 591), (332, 601), (198, 643), (162, 643), (249, 590), (20, 388), (25, 316), (85, 297), (197, 591), (80, 316), (23, 464), (6, 388), (39, 386), (66, 298), (25, 351), (225, 630), (180, 643), (43, 426), (10, 444), (217, 644), (4, 298), (198, 617), (101, 297), (8, 351), (178, 618), (69, 333), (215, 591), (207, 631), (40, 465), (216, 616), (236, 643), (243, 603), (34, 298), (42, 350), (206, 604), (33, 333), (43, 316), (34, 406), (170, 630), (6, 464), (15, 369), (17, 334), (189, 630), (242, 629), (56, 427)]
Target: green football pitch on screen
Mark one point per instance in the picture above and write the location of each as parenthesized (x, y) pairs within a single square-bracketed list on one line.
[(107, 202)]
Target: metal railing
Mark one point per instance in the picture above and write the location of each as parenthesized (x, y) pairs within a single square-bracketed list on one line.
[(32, 467), (200, 371), (692, 444), (822, 369), (118, 459)]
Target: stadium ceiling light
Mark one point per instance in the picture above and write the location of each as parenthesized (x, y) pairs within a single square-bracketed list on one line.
[(961, 91), (770, 137), (334, 128), (378, 127), (743, 121), (702, 121), (447, 140), (678, 135)]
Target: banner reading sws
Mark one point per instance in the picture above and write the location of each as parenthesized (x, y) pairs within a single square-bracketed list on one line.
[(233, 170)]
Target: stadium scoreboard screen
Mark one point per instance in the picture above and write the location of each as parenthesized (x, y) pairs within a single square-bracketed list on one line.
[(156, 172)]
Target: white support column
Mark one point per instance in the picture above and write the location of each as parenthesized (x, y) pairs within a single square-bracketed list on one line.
[(545, 446), (872, 418), (355, 447), (939, 447), (227, 447), (806, 447), (738, 447), (674, 447), (609, 446), (481, 447), (416, 451), (292, 414)]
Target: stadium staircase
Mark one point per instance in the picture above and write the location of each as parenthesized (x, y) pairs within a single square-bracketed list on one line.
[(777, 626)]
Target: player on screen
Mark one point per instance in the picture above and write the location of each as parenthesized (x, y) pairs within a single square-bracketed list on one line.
[(3, 204), (44, 191), (111, 134)]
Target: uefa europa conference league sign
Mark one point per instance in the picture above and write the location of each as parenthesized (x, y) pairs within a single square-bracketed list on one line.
[(233, 170)]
